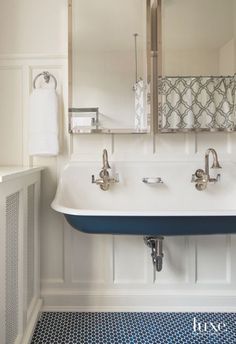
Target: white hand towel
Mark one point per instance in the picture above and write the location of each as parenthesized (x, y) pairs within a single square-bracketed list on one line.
[(43, 123)]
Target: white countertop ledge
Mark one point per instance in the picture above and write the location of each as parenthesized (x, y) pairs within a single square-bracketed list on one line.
[(157, 213), (12, 172)]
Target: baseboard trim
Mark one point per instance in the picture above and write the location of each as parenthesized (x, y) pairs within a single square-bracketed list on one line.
[(64, 301), (137, 292), (32, 322), (140, 309)]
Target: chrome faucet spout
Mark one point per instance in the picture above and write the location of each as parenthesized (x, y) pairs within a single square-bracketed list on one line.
[(215, 164), (201, 178), (105, 180), (106, 165)]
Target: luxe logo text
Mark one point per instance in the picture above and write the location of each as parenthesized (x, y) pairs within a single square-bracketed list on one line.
[(211, 327)]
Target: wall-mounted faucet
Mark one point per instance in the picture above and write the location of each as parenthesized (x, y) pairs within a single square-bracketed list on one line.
[(201, 178), (104, 180)]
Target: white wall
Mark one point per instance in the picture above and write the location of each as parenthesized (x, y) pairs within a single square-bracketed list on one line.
[(200, 43), (33, 28), (104, 272), (227, 58), (193, 62)]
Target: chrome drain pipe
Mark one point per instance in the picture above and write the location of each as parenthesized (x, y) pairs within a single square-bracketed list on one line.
[(156, 245)]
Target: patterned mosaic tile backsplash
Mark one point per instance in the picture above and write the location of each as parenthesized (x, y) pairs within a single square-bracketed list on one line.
[(135, 328)]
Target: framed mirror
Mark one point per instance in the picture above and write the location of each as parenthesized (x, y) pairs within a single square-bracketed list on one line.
[(196, 72), (110, 66)]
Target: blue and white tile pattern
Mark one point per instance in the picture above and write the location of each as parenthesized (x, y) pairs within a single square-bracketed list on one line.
[(135, 328)]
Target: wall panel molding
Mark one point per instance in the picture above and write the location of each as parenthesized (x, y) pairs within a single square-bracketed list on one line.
[(213, 259), (114, 286), (8, 57)]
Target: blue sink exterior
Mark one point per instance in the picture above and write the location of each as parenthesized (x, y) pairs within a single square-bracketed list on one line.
[(154, 225)]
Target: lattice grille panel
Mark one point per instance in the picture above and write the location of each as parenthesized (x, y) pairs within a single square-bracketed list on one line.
[(30, 244), (12, 297)]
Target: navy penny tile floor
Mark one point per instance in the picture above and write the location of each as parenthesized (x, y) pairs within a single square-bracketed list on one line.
[(135, 328)]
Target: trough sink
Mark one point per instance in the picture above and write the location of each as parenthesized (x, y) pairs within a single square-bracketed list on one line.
[(133, 208)]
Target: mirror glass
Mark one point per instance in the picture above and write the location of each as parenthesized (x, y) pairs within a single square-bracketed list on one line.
[(197, 71), (109, 83)]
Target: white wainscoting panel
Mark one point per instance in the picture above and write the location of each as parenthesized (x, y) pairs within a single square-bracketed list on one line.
[(175, 265), (130, 258), (80, 271), (219, 141), (89, 258), (51, 231), (11, 133), (89, 147), (213, 259)]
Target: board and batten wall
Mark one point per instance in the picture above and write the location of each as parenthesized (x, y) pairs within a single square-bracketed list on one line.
[(89, 272)]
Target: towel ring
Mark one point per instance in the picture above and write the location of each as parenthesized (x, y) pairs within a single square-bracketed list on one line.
[(47, 77)]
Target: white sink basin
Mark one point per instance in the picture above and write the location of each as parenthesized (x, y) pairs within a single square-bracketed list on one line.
[(133, 207)]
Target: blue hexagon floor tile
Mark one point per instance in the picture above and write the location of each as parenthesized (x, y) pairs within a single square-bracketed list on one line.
[(135, 328)]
